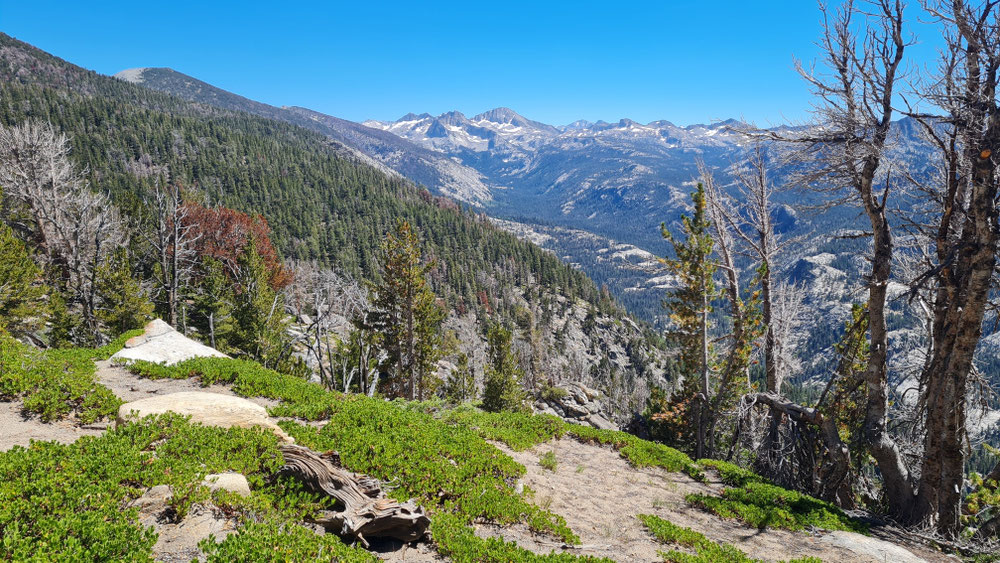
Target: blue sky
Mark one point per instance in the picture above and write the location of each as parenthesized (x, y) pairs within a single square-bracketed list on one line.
[(685, 61)]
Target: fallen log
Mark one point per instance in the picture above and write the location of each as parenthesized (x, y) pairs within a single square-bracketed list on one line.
[(363, 510)]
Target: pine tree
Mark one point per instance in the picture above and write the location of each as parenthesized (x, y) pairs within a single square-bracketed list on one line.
[(689, 306), (64, 324), (22, 309), (502, 390), (405, 313), (212, 311), (461, 382), (258, 311), (123, 304)]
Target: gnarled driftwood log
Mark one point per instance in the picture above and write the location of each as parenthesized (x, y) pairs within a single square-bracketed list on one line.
[(366, 511)]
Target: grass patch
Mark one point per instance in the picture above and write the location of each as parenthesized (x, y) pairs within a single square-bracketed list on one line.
[(548, 460), (56, 383), (705, 550)]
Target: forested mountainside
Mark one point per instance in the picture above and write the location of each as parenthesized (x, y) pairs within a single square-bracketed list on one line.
[(377, 147), (322, 204), (595, 194)]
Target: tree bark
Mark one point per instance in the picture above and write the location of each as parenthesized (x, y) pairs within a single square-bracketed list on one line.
[(367, 512)]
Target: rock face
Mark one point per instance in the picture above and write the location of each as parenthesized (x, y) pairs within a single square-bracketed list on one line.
[(161, 344), (579, 405), (210, 409)]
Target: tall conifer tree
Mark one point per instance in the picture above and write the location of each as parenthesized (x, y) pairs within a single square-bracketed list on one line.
[(690, 305), (406, 314)]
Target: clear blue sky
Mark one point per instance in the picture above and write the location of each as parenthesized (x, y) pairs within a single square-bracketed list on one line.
[(685, 61)]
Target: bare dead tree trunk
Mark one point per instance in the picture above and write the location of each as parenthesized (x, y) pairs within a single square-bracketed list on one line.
[(856, 113), (173, 239), (367, 512), (732, 367), (73, 226)]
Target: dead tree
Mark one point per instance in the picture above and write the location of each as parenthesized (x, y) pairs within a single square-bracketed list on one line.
[(173, 238), (750, 221), (364, 511), (328, 303), (73, 227), (734, 369), (848, 147)]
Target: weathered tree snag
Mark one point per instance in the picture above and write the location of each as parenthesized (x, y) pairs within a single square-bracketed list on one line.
[(367, 512), (830, 480)]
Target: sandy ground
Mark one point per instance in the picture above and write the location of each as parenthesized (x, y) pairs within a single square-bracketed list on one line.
[(600, 495), (19, 429)]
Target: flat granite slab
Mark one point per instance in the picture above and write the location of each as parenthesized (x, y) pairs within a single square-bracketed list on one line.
[(210, 409)]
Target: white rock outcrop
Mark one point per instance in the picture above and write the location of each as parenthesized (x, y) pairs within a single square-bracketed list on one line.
[(161, 344), (210, 409)]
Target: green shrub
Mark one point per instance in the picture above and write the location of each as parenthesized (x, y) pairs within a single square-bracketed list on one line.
[(455, 539), (279, 542), (732, 474), (67, 502), (764, 505), (706, 550), (55, 383), (518, 430), (551, 393), (446, 467), (300, 398), (639, 452)]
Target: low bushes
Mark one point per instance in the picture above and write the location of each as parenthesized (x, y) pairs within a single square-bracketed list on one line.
[(300, 398), (68, 502), (59, 382), (447, 467), (705, 550), (764, 505)]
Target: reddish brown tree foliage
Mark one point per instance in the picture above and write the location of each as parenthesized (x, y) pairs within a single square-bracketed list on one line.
[(223, 233)]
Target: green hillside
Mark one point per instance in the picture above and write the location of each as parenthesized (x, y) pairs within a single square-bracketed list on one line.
[(320, 204)]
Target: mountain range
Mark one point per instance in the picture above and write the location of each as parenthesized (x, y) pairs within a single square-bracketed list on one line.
[(596, 193)]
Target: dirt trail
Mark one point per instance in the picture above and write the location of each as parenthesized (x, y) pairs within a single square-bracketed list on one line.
[(129, 387), (19, 429), (600, 494)]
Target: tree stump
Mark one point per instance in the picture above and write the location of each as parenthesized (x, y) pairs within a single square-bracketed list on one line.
[(366, 511)]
